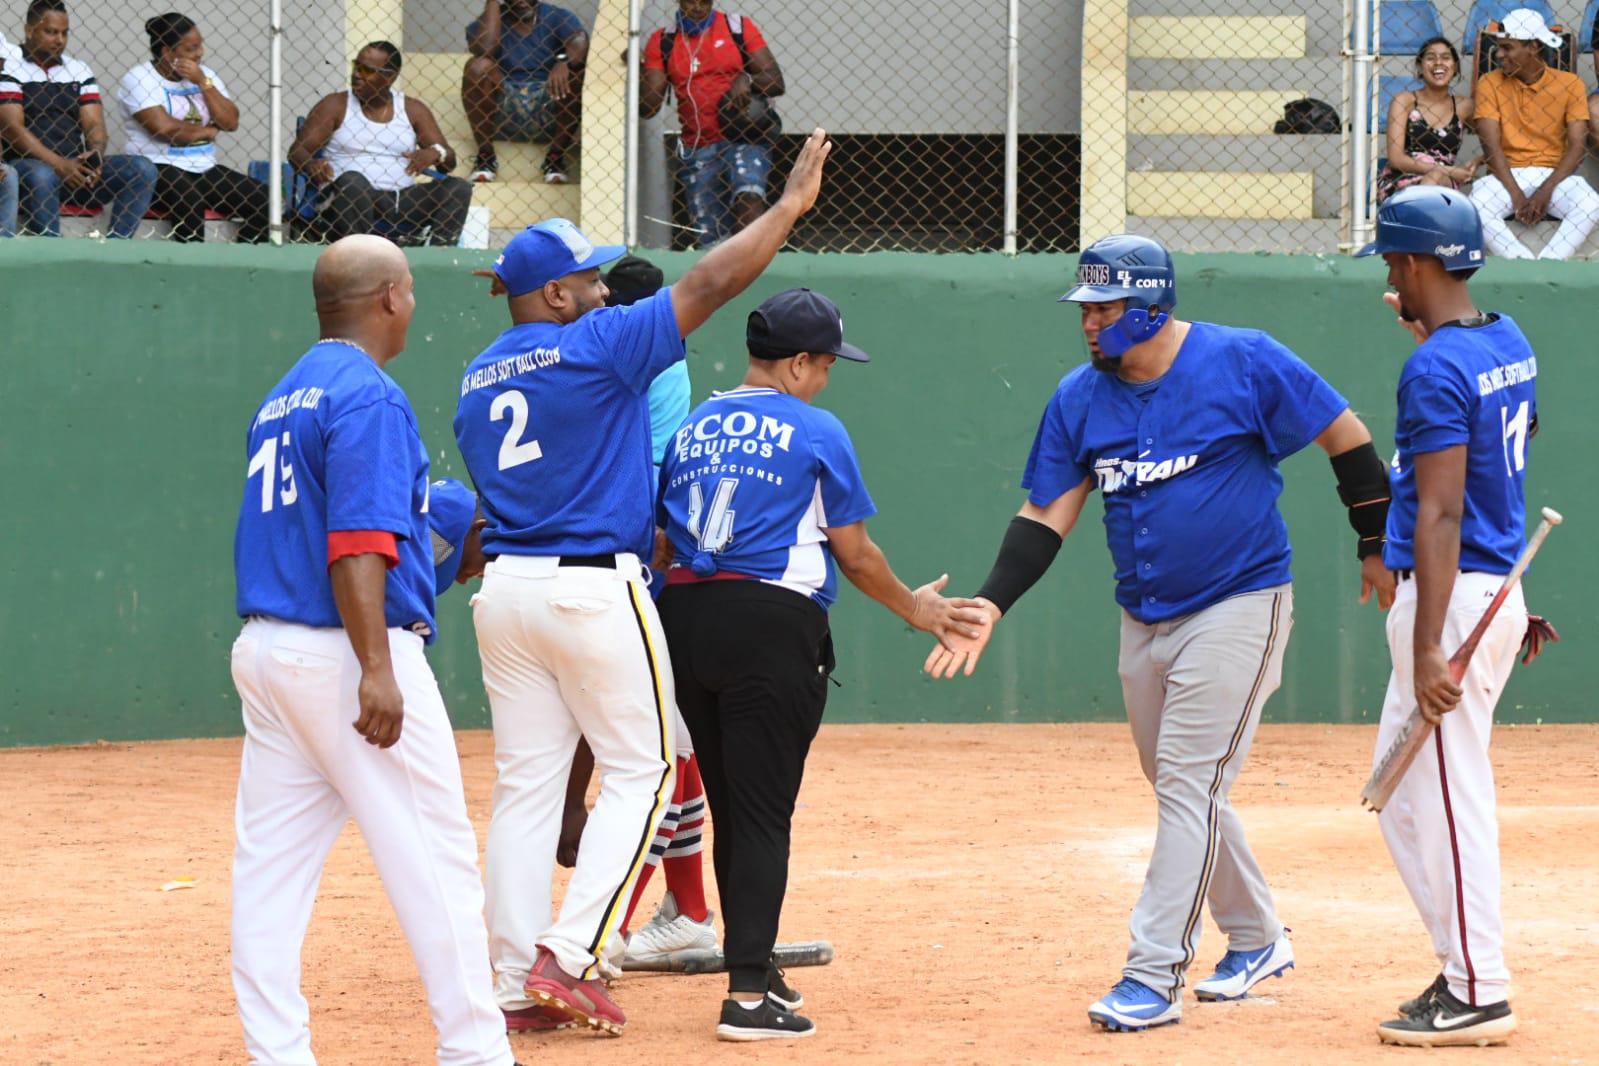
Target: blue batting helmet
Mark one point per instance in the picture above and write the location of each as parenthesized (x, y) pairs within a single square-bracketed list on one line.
[(1430, 220), (1131, 268)]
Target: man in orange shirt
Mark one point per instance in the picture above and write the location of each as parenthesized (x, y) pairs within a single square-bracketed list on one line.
[(1533, 124)]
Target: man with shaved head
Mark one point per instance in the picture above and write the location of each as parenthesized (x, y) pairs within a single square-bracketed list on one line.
[(342, 716)]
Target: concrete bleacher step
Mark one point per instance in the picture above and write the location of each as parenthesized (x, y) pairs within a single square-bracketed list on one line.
[(1239, 235), (1318, 76), (1216, 36), (1318, 155), (514, 205), (1211, 112), (1221, 194)]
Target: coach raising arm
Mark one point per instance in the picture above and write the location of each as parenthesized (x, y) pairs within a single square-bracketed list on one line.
[(1181, 425), (553, 423)]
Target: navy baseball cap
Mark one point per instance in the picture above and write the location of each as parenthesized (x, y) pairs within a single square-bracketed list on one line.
[(631, 280), (451, 508), (799, 320), (551, 249)]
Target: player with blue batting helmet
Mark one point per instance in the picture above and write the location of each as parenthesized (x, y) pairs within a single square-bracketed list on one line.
[(1430, 220), (1132, 268)]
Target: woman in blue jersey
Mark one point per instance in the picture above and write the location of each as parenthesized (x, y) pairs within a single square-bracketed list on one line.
[(760, 497)]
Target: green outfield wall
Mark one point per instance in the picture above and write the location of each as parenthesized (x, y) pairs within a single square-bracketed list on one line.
[(132, 370)]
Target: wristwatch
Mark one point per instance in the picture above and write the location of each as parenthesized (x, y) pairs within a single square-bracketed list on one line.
[(207, 83)]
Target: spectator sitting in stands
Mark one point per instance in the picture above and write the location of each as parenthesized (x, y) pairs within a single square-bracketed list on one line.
[(54, 129), (707, 63), (8, 176), (175, 108), (1426, 127), (524, 81), (375, 140), (1533, 123)]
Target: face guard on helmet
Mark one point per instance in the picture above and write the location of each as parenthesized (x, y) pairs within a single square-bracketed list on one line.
[(1131, 268)]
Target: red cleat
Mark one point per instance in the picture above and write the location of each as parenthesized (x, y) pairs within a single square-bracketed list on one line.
[(582, 1001)]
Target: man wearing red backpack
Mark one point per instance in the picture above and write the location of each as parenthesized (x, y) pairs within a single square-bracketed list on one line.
[(723, 73)]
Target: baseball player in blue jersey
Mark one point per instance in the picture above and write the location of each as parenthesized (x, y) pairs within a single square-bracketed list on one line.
[(1181, 426), (761, 496), (1467, 410), (554, 427), (335, 569)]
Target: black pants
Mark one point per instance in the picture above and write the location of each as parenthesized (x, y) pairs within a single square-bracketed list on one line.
[(426, 213), (751, 663), (186, 196)]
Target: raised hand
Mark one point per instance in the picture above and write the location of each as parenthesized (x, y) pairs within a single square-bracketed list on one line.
[(805, 180)]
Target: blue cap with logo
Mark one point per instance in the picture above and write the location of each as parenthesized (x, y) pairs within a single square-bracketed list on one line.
[(548, 250), (451, 508), (798, 320)]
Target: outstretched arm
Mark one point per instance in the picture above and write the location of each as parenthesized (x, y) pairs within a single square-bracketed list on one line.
[(864, 563), (1031, 541), (728, 269)]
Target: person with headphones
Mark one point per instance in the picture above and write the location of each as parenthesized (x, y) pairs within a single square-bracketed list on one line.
[(724, 74), (1181, 427)]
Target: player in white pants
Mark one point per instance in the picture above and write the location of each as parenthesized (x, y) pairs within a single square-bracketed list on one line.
[(553, 425), (342, 716), (1533, 124), (1467, 409)]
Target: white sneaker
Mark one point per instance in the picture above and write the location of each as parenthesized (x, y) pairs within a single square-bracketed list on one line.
[(1239, 971), (670, 932), (609, 962)]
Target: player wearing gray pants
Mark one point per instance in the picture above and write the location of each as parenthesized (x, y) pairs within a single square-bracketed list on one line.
[(1181, 427), (1194, 687)]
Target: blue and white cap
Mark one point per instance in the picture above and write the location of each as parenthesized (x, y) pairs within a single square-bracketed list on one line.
[(548, 250), (451, 508)]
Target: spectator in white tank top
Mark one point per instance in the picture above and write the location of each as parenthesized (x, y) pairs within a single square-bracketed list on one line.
[(364, 148)]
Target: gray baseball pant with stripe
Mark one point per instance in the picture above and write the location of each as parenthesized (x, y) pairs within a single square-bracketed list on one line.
[(1194, 688)]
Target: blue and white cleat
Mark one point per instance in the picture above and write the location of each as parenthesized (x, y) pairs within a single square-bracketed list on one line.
[(1132, 1006), (1239, 971)]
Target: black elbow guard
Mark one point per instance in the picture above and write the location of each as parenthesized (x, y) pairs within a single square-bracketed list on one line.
[(1025, 553), (1363, 488)]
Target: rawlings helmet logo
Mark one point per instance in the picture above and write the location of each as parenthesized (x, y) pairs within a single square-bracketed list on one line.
[(1449, 251)]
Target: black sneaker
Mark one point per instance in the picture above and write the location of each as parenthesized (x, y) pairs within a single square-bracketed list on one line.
[(767, 1021), (780, 991), (486, 167), (1411, 1006), (1446, 1022)]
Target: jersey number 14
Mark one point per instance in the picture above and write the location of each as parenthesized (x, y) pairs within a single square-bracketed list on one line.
[(1514, 428)]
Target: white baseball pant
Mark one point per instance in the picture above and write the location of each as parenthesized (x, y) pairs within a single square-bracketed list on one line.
[(570, 651), (305, 771), (1574, 202), (1440, 824)]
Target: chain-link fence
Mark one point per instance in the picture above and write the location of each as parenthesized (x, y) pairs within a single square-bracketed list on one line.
[(916, 103), (1488, 97)]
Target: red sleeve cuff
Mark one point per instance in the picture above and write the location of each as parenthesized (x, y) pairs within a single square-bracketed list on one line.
[(347, 542)]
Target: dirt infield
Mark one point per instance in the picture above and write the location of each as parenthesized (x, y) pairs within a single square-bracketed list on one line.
[(975, 881)]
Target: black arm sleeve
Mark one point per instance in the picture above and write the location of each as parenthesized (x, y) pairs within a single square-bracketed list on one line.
[(1025, 553), (1363, 488)]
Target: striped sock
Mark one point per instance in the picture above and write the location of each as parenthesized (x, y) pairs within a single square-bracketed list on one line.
[(684, 877), (658, 846)]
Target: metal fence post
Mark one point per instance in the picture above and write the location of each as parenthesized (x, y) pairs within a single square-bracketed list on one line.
[(1012, 90), (630, 190), (1361, 137), (275, 137)]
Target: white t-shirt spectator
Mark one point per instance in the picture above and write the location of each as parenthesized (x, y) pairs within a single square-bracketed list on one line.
[(9, 53), (143, 88)]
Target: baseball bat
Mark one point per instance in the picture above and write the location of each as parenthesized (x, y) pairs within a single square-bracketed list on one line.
[(1414, 733), (711, 960)]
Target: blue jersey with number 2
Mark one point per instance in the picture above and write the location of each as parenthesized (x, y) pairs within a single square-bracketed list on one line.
[(333, 448), (751, 481), (1470, 386), (555, 430)]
